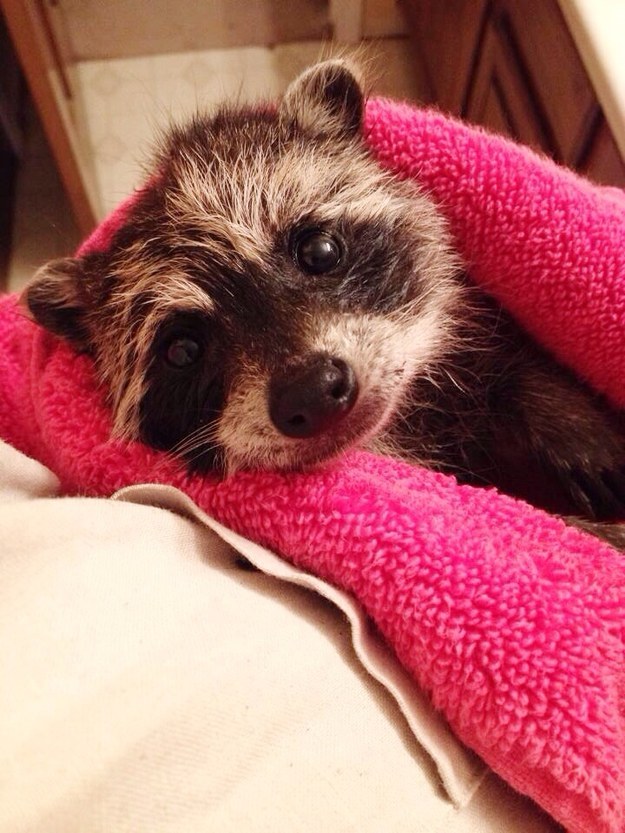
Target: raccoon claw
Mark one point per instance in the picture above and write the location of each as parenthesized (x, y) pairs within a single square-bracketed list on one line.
[(600, 496)]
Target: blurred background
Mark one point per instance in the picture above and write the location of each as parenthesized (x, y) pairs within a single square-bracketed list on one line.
[(86, 84)]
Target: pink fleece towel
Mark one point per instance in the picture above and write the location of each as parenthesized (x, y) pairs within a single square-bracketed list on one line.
[(512, 621)]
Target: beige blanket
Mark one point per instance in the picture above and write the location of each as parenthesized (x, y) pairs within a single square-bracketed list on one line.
[(149, 683)]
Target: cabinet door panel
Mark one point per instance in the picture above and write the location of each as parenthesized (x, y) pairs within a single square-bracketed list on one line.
[(50, 88), (447, 36), (554, 71), (512, 66), (499, 98)]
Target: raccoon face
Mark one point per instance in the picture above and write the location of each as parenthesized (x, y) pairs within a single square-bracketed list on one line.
[(272, 293)]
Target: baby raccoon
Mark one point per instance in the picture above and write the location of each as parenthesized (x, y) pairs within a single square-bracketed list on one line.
[(275, 297)]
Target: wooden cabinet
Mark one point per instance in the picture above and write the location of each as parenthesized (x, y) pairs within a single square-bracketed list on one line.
[(512, 66), (447, 35), (499, 96), (11, 140), (48, 73)]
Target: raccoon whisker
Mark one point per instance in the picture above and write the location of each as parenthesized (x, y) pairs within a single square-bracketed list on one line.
[(390, 447), (201, 451), (449, 374), (204, 430), (198, 453), (204, 435)]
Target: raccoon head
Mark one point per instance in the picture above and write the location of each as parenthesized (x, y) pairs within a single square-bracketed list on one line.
[(272, 293)]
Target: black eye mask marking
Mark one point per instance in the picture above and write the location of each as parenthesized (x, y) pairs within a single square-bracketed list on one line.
[(185, 388)]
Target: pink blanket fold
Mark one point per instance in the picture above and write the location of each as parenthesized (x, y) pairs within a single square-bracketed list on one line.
[(512, 621)]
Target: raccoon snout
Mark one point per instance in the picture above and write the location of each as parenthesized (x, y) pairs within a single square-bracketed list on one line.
[(309, 397)]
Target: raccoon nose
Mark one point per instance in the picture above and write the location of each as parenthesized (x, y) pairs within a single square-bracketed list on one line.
[(310, 397)]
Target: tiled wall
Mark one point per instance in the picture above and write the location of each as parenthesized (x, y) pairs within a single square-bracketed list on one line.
[(128, 100)]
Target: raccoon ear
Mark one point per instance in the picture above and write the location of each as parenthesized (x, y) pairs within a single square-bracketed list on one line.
[(327, 100), (53, 299)]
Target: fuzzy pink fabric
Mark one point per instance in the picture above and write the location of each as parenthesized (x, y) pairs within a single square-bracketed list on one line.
[(512, 621)]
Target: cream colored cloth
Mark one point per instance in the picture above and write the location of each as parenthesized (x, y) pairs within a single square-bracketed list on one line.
[(149, 684)]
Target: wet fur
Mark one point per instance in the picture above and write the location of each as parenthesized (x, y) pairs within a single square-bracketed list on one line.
[(445, 376)]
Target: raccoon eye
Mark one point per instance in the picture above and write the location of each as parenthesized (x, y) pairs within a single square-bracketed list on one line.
[(182, 352), (316, 252)]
